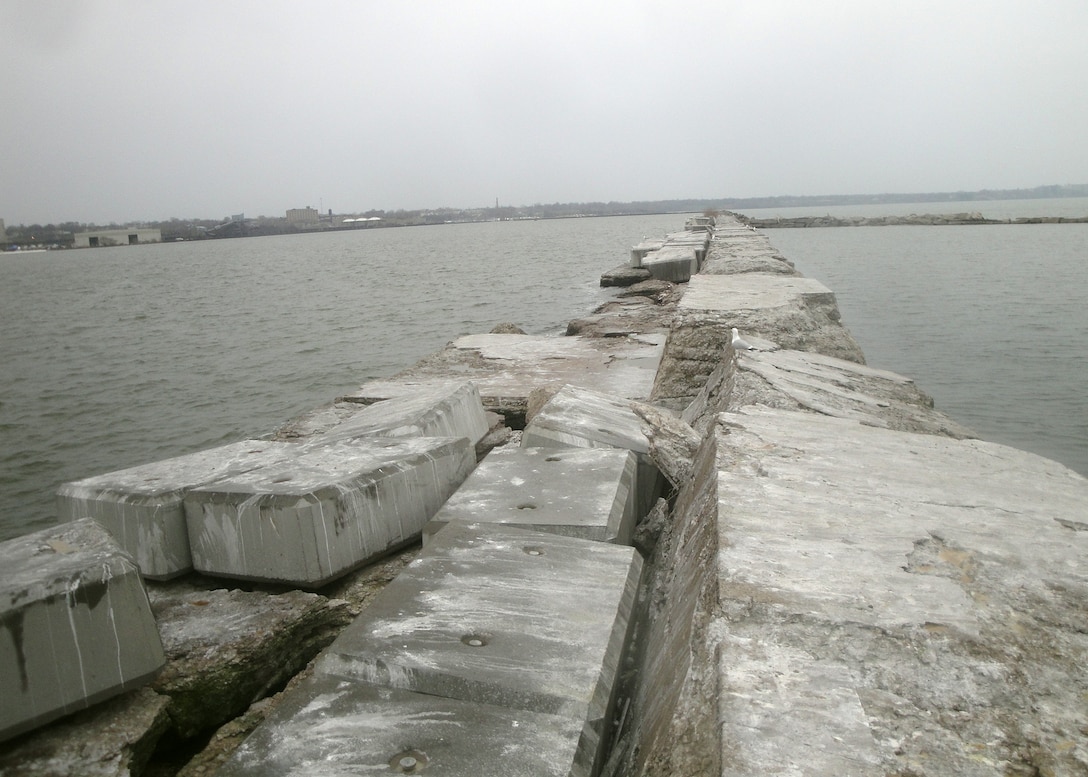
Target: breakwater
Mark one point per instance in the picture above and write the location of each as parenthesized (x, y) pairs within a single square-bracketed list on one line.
[(917, 220), (835, 577)]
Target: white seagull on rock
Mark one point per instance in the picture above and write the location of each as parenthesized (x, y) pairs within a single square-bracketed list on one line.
[(740, 344)]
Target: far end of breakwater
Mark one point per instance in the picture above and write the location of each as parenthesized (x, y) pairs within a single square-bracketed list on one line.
[(922, 220)]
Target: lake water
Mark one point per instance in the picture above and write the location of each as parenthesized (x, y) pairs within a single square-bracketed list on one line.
[(991, 321), (115, 357)]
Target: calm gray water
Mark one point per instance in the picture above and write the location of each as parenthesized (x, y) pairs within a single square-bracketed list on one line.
[(989, 320), (115, 357)]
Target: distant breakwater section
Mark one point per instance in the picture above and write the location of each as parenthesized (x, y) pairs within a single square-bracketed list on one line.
[(913, 220)]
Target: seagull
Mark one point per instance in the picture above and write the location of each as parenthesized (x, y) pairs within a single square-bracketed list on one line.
[(740, 344)]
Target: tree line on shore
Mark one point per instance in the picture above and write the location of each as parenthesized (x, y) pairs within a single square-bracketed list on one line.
[(196, 229)]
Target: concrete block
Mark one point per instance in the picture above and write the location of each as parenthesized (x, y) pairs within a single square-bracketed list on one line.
[(639, 252), (75, 625), (507, 368), (443, 410), (502, 616), (142, 506), (328, 510), (580, 418), (672, 263), (699, 241), (329, 725), (575, 493)]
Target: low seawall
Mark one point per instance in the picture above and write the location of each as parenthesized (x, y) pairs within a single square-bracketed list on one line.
[(913, 220), (802, 567)]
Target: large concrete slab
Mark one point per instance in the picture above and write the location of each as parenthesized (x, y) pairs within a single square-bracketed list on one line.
[(576, 493), (672, 263), (579, 418), (331, 726), (502, 616), (507, 368), (325, 512), (443, 410), (142, 506), (789, 311), (639, 252), (75, 625), (699, 241), (895, 602), (753, 292), (835, 387), (737, 248)]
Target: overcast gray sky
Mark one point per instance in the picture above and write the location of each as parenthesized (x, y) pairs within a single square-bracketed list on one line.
[(119, 110)]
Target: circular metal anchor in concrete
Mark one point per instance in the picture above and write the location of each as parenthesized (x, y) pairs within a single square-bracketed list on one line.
[(409, 762), (476, 640)]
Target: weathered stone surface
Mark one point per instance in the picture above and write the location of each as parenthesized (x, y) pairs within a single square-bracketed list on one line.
[(579, 418), (332, 726), (575, 493), (697, 241), (507, 368), (227, 648), (672, 725), (111, 739), (75, 626), (897, 603), (792, 312), (142, 506), (444, 410), (657, 290), (501, 616), (628, 315), (737, 249), (624, 276), (672, 263), (713, 398), (507, 328), (671, 442), (326, 511), (795, 380), (639, 252)]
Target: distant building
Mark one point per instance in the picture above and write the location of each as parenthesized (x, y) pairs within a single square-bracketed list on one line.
[(3, 233), (303, 216), (116, 237)]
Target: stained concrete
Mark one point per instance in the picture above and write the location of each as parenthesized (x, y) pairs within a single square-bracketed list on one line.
[(502, 616), (839, 388), (738, 249), (698, 241), (575, 493), (331, 726), (142, 506), (672, 263), (579, 418), (507, 368), (640, 251), (75, 625), (326, 511), (894, 603), (790, 312), (444, 410)]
